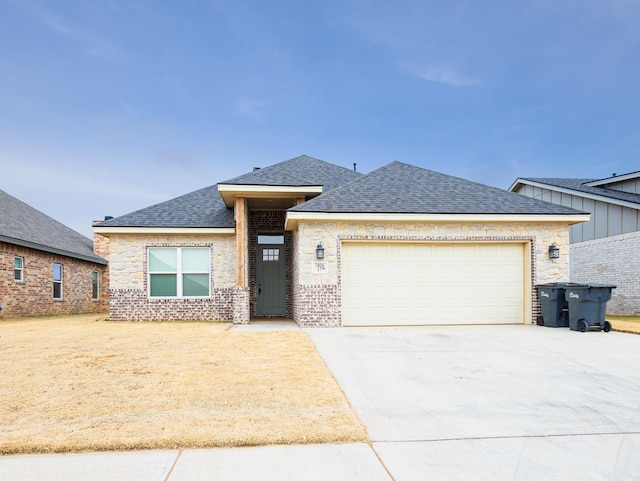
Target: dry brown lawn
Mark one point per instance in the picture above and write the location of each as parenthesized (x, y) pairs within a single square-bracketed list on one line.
[(625, 324), (80, 383)]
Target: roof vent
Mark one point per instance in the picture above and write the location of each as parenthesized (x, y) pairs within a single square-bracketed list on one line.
[(256, 168), (354, 166), (614, 174), (108, 217)]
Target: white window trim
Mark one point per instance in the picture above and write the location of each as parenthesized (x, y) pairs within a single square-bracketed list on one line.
[(21, 269), (61, 281), (97, 296), (178, 273)]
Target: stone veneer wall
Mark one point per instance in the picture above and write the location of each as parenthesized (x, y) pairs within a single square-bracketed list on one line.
[(317, 297), (611, 260), (128, 279), (33, 296), (263, 222)]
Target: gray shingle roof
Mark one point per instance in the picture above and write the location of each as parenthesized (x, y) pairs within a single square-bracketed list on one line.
[(404, 188), (298, 172), (23, 225), (579, 185), (201, 208)]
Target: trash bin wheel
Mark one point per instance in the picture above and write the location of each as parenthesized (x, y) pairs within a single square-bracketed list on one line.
[(582, 325), (540, 321), (607, 326)]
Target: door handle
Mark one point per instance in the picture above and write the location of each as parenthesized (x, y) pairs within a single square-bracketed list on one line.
[(259, 290)]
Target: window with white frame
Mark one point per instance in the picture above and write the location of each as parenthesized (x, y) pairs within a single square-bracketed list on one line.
[(95, 285), (179, 271), (57, 281), (18, 269)]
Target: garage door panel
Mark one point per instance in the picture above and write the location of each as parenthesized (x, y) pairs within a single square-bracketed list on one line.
[(404, 284)]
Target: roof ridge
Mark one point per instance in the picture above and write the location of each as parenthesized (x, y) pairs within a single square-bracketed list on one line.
[(402, 188)]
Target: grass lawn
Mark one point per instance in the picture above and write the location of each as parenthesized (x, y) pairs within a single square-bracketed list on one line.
[(79, 383), (625, 324)]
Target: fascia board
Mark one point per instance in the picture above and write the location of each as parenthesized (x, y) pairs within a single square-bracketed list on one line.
[(578, 193), (515, 184), (292, 218), (105, 230), (53, 250), (613, 180)]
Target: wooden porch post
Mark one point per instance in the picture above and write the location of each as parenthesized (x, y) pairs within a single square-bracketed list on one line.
[(242, 243)]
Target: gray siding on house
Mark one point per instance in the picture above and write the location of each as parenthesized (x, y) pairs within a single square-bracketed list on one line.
[(632, 186), (606, 219)]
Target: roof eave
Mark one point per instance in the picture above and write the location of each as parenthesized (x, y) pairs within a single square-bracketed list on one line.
[(614, 179), (109, 230), (294, 217), (579, 193), (53, 250)]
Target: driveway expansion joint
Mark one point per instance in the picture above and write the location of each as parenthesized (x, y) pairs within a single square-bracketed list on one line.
[(524, 436), (173, 466)]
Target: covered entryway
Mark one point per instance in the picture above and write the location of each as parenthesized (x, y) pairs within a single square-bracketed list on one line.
[(398, 283)]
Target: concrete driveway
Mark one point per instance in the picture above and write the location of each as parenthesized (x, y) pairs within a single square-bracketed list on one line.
[(493, 402)]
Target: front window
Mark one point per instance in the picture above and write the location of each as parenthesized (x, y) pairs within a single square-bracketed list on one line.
[(95, 285), (57, 281), (18, 270), (179, 271)]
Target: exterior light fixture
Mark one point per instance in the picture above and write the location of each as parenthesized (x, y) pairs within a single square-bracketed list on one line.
[(320, 252), (554, 251)]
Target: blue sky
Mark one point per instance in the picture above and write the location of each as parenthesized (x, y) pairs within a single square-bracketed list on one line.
[(109, 106)]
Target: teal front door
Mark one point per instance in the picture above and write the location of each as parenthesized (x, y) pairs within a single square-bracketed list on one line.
[(271, 280)]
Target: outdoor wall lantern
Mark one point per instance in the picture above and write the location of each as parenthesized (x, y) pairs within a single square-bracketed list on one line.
[(554, 251), (320, 252)]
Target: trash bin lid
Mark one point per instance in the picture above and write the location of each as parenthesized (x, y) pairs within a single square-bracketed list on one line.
[(590, 286)]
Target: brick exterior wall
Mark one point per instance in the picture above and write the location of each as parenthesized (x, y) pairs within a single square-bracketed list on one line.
[(263, 222), (34, 295), (611, 260), (317, 306), (134, 305), (241, 310), (128, 279), (317, 296)]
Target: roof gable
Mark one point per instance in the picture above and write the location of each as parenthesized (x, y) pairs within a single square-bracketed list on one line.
[(197, 209), (26, 226), (298, 172), (407, 189)]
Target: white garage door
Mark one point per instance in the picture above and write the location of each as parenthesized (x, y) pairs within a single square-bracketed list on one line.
[(417, 284)]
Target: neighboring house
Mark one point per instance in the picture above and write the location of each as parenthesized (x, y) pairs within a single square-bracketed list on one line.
[(327, 246), (605, 250), (46, 267)]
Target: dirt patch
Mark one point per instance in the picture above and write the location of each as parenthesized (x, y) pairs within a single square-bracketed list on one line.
[(625, 324), (81, 383)]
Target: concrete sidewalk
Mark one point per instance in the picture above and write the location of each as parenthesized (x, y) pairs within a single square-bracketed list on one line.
[(320, 462)]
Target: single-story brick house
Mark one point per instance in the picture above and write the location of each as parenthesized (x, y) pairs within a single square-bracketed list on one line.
[(328, 246), (606, 249), (46, 268)]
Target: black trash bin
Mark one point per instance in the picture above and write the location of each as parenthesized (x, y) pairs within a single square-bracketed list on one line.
[(588, 307), (553, 305)]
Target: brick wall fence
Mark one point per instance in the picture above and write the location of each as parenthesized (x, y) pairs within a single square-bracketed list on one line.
[(611, 260), (33, 296)]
